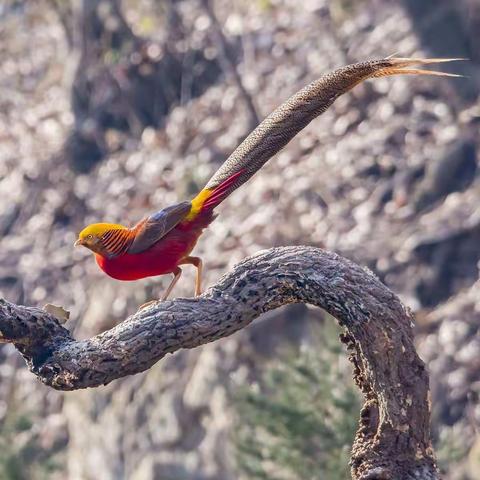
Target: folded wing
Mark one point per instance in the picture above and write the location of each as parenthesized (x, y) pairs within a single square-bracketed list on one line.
[(150, 230)]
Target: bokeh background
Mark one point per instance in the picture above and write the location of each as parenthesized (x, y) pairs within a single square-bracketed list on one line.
[(110, 110)]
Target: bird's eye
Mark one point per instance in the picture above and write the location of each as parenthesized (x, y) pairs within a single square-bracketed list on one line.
[(89, 237)]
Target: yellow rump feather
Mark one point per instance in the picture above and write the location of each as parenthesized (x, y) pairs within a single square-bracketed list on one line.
[(197, 203)]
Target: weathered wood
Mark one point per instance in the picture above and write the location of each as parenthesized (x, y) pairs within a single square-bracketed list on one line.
[(393, 438)]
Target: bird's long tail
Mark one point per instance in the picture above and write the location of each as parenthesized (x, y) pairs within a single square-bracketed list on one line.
[(294, 115)]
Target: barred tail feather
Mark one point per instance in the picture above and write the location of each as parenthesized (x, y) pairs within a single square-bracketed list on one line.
[(291, 117), (221, 192)]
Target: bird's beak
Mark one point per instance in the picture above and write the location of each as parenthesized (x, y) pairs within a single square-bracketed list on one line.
[(78, 242)]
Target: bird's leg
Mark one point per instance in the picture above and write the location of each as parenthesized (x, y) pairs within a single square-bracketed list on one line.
[(197, 262), (177, 273)]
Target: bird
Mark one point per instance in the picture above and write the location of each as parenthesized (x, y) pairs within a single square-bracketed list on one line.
[(162, 242)]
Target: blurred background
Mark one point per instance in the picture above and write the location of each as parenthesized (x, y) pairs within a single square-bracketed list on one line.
[(110, 110)]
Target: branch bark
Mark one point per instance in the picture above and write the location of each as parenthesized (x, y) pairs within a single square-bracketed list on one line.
[(393, 438)]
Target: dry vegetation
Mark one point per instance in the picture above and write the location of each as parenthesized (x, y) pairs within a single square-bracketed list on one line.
[(388, 177)]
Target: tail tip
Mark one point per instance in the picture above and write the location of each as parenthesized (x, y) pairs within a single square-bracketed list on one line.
[(400, 65)]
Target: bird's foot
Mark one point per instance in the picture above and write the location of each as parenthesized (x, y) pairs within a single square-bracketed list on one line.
[(147, 304)]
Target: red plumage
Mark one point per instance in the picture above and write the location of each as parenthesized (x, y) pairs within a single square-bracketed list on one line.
[(163, 256), (167, 253)]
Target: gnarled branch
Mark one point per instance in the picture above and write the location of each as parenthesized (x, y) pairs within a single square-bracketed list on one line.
[(393, 438)]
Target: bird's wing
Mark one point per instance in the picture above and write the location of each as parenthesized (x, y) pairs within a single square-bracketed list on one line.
[(156, 226)]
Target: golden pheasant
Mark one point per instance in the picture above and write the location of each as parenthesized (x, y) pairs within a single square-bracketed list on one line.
[(162, 242)]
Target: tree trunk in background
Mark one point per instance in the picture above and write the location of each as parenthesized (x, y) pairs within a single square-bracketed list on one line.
[(125, 82), (449, 29)]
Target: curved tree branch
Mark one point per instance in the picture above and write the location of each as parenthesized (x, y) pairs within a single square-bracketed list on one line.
[(393, 438)]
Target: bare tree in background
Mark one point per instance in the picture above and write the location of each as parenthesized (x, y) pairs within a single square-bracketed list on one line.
[(123, 81)]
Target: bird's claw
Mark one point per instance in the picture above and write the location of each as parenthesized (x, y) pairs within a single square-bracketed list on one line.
[(147, 304)]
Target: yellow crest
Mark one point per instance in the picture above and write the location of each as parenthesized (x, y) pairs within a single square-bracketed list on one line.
[(98, 229)]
